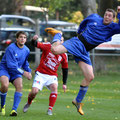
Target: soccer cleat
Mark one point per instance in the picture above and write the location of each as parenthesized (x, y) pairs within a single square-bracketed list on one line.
[(78, 106), (13, 113), (52, 31), (25, 109), (3, 110), (49, 112)]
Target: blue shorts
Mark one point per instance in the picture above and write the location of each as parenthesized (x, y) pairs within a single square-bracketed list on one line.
[(76, 47), (11, 76)]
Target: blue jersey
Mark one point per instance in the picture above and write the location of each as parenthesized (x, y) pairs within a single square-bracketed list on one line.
[(14, 59), (94, 32)]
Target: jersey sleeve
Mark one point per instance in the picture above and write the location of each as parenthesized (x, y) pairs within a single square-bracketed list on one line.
[(84, 23), (116, 27), (43, 46), (64, 62), (12, 63), (26, 64)]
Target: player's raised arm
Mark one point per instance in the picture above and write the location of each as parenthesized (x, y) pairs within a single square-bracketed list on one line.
[(34, 40)]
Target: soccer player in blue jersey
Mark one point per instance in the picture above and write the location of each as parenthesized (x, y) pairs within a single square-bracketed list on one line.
[(92, 31), (14, 59)]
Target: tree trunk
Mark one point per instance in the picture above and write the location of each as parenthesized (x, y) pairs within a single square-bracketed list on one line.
[(103, 5), (88, 7), (57, 15), (10, 6)]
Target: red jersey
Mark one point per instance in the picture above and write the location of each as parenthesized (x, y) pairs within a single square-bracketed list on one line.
[(49, 62)]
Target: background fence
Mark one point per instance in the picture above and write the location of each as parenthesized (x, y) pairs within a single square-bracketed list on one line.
[(106, 61), (103, 62)]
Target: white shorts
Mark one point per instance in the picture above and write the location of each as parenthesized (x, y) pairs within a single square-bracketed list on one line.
[(41, 80)]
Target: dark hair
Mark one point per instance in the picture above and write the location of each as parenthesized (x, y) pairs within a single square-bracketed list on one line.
[(20, 32), (111, 10)]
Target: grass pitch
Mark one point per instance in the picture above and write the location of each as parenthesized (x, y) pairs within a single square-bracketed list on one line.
[(102, 101)]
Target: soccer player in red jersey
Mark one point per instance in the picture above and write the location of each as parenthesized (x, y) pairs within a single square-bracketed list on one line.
[(46, 74)]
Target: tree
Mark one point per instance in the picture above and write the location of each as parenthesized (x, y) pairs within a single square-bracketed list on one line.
[(54, 6), (88, 7), (77, 17), (103, 5), (59, 9), (10, 6)]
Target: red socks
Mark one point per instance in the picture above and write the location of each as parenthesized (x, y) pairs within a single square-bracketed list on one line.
[(30, 99), (52, 100)]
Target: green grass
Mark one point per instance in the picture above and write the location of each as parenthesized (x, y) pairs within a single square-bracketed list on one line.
[(102, 101)]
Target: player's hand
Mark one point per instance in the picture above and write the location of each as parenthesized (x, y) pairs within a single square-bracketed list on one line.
[(118, 9), (28, 75), (64, 88), (35, 37)]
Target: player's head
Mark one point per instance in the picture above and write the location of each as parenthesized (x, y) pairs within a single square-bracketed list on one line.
[(20, 32), (21, 38), (109, 16)]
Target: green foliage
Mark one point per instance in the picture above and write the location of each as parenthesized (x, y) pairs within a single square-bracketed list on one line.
[(52, 5), (77, 17), (33, 2), (62, 6)]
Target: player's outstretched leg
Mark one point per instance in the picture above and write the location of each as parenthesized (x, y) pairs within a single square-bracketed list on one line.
[(78, 106), (25, 109), (52, 31)]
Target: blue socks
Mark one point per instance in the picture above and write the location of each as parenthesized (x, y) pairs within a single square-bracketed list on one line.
[(57, 37), (17, 99), (81, 93), (3, 98)]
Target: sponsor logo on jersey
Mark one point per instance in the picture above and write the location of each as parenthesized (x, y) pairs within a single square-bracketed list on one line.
[(59, 58), (95, 23), (16, 54), (52, 55)]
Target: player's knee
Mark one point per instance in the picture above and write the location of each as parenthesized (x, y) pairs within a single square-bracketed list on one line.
[(53, 88), (91, 77), (4, 88), (19, 87), (34, 92)]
